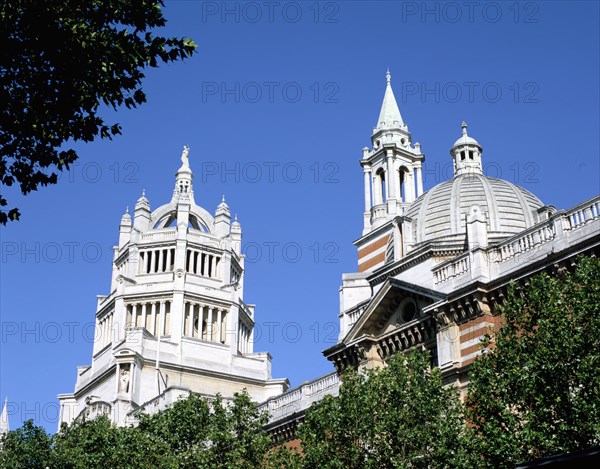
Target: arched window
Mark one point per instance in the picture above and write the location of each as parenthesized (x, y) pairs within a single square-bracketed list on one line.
[(380, 189), (170, 221)]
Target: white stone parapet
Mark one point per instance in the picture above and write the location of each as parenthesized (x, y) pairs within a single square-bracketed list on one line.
[(451, 268), (301, 397), (563, 229)]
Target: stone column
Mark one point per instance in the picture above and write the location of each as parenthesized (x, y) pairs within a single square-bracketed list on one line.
[(153, 319), (161, 318), (219, 326), (209, 324), (201, 321), (391, 177), (448, 341), (419, 181), (410, 186), (189, 307), (367, 177)]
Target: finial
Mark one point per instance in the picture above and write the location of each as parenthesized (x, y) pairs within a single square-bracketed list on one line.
[(127, 209), (388, 76), (223, 198), (235, 218), (464, 127), (184, 156)]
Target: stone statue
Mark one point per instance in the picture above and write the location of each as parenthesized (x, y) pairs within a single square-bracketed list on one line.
[(184, 155), (124, 380)]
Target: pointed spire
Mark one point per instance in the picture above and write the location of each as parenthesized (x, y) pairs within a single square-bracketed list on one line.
[(223, 208), (236, 224), (142, 202), (4, 425), (126, 218), (389, 116)]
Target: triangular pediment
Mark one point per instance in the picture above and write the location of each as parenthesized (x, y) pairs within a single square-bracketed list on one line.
[(396, 303)]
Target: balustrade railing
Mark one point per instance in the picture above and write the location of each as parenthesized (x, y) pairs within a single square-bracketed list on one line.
[(300, 398), (451, 269)]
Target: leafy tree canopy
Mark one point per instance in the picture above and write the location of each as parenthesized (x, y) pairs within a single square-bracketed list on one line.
[(538, 392), (29, 446), (192, 433), (397, 416), (59, 61), (212, 433)]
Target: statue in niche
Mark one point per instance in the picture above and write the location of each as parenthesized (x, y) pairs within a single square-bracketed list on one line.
[(184, 156), (124, 379)]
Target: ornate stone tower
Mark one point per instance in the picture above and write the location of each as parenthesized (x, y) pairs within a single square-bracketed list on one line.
[(393, 180), (175, 321)]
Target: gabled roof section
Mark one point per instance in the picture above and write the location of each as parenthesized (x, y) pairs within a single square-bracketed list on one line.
[(384, 304)]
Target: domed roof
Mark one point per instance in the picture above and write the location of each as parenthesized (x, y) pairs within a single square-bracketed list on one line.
[(465, 139), (440, 213)]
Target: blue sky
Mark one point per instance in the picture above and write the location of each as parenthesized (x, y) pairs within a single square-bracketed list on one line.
[(276, 107)]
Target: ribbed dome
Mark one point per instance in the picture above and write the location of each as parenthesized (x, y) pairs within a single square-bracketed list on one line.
[(440, 213), (465, 140)]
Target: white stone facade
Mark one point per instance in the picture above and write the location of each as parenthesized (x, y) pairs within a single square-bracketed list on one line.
[(175, 321)]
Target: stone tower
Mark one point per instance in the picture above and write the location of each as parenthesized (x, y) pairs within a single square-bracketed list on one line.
[(175, 320)]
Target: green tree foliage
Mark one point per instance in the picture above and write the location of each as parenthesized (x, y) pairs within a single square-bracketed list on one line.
[(212, 433), (535, 393), (99, 443), (192, 433), (538, 392), (397, 416), (59, 61), (28, 446)]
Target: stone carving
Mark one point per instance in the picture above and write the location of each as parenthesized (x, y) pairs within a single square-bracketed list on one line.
[(184, 156), (124, 379)]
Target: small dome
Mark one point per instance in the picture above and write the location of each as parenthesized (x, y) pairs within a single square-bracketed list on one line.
[(464, 139), (440, 213)]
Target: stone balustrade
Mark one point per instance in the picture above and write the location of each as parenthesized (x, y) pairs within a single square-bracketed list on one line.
[(451, 269), (526, 241), (582, 213), (166, 234), (300, 398), (538, 239)]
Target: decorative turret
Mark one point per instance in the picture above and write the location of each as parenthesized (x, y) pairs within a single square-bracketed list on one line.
[(222, 219), (141, 215), (466, 153), (236, 236), (175, 320), (183, 179), (392, 167), (125, 228)]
